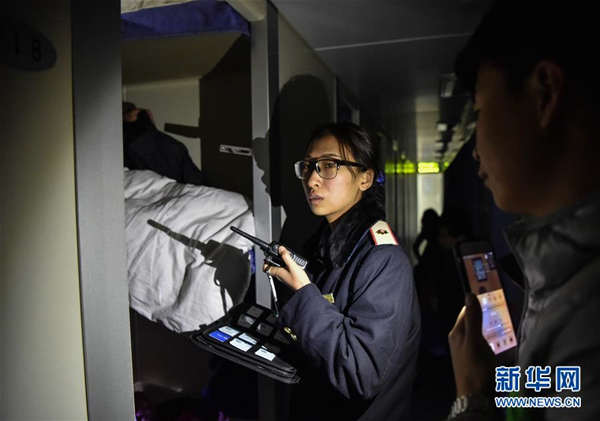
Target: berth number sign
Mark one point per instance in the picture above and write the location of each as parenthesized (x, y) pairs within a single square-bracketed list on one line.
[(23, 47)]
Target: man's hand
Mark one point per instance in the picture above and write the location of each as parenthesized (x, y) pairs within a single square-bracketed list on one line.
[(292, 275), (472, 357)]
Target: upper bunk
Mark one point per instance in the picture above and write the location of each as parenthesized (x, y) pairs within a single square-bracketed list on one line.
[(189, 62), (176, 39)]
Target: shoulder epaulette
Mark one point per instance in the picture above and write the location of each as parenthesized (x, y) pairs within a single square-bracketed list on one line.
[(382, 234)]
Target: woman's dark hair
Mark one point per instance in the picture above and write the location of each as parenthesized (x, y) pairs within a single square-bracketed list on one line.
[(355, 140)]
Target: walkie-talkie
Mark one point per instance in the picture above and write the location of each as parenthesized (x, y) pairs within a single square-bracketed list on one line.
[(271, 251)]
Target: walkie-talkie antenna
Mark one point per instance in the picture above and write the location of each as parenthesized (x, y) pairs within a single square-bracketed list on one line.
[(262, 244), (271, 251)]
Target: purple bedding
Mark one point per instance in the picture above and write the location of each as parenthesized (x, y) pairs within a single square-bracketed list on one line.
[(196, 17)]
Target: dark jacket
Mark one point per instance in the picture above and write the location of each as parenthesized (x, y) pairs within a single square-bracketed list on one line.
[(146, 148), (359, 353), (560, 257)]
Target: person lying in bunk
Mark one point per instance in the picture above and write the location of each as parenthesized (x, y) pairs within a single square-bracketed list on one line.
[(147, 148), (354, 316)]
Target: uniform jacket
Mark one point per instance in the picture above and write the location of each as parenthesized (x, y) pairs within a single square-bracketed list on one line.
[(560, 258), (359, 353)]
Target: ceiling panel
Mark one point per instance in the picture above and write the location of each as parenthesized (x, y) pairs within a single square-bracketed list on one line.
[(330, 23), (390, 55)]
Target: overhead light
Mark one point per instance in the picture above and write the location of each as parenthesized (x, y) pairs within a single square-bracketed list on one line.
[(445, 126), (409, 167), (428, 167), (447, 85)]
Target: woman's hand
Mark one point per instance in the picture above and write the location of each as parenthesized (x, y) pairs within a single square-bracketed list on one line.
[(292, 275), (472, 358)]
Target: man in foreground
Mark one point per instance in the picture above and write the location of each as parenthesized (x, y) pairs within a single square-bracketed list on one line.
[(529, 66)]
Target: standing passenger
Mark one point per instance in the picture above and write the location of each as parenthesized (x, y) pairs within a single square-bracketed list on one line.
[(354, 316), (530, 66)]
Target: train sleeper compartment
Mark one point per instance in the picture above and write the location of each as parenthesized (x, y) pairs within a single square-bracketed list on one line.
[(187, 116)]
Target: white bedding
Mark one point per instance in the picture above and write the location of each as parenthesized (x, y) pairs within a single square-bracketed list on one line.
[(187, 268)]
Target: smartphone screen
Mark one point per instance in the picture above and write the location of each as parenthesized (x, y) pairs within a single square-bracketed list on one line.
[(484, 281)]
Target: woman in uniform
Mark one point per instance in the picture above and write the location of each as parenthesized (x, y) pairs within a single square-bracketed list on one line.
[(354, 315)]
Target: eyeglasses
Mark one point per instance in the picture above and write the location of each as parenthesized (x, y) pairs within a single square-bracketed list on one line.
[(326, 168)]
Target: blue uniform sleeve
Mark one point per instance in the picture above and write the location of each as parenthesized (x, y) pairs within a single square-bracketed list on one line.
[(355, 348)]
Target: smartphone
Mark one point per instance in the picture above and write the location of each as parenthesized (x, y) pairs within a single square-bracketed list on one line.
[(477, 266)]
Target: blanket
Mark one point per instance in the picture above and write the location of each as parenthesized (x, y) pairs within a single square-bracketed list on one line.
[(185, 266)]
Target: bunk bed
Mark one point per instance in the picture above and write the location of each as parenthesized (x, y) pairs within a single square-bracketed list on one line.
[(168, 18), (185, 266)]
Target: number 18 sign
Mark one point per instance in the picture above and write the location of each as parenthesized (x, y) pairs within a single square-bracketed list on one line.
[(23, 47)]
